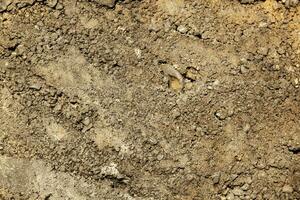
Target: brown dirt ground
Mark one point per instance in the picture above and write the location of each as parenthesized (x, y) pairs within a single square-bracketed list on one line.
[(149, 99)]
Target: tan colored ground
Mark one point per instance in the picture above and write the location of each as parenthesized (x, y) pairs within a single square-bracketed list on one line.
[(152, 99)]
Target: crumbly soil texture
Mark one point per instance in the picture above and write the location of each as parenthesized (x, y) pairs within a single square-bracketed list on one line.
[(149, 99)]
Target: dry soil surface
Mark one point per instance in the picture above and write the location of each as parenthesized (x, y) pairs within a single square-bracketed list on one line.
[(149, 99)]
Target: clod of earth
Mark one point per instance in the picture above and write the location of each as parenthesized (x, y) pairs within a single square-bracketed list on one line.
[(176, 81)]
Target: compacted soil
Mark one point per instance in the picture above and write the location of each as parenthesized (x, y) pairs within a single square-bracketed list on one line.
[(149, 99)]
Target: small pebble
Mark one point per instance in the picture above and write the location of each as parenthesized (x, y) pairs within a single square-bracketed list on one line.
[(176, 114), (216, 82), (86, 128), (296, 82), (189, 86), (276, 67), (59, 6), (220, 115), (86, 121), (35, 86), (245, 187), (287, 189), (262, 25), (182, 29), (153, 141), (216, 177), (246, 128), (138, 53), (237, 192), (51, 3), (263, 51), (243, 69), (230, 196), (160, 157)]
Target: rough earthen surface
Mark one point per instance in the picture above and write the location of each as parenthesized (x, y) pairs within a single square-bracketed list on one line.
[(88, 110)]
